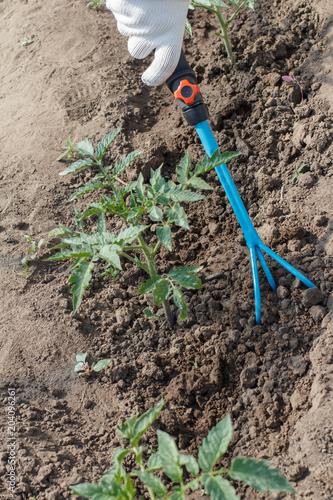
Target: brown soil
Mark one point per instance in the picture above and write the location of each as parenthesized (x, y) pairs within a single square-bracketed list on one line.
[(274, 379)]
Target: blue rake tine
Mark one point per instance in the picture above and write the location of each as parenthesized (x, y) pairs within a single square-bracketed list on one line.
[(253, 241), (287, 266), (256, 285), (265, 268)]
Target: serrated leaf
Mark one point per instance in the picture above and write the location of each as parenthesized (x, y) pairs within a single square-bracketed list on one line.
[(177, 215), (105, 142), (215, 444), (185, 276), (140, 189), (68, 254), (81, 277), (110, 253), (152, 482), (168, 453), (144, 422), (180, 303), (183, 168), (150, 284), (78, 219), (124, 163), (219, 488), (198, 183), (155, 213), (219, 159), (128, 234), (177, 495), (155, 176), (160, 292), (85, 148), (258, 475), (101, 364), (87, 188), (185, 195), (164, 236), (78, 165)]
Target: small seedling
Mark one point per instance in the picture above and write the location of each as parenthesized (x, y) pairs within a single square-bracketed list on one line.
[(194, 363), (297, 173), (27, 41), (215, 6), (69, 151), (85, 368), (150, 314), (34, 253), (96, 4), (137, 204), (292, 82), (201, 472)]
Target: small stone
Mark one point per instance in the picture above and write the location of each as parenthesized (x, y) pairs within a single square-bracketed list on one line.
[(318, 313), (282, 292), (312, 297), (298, 365), (306, 180), (248, 376), (213, 228)]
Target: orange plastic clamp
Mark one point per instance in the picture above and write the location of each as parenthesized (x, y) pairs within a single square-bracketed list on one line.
[(188, 99)]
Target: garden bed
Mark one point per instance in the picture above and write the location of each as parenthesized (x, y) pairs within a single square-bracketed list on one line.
[(274, 379)]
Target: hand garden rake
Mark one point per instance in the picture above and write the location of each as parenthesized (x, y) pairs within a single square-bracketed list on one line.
[(184, 86)]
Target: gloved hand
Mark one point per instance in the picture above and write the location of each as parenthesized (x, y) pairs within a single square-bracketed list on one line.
[(152, 25)]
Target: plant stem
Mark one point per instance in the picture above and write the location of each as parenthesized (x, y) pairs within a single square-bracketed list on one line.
[(235, 13), (153, 272), (224, 36)]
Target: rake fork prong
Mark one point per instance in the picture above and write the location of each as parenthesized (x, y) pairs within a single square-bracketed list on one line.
[(265, 268), (256, 286), (286, 265)]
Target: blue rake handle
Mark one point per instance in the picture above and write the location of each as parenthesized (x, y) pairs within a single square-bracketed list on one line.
[(253, 241), (185, 89)]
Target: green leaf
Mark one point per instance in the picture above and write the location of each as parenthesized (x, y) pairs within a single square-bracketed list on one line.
[(126, 429), (81, 356), (218, 488), (144, 422), (153, 482), (110, 253), (81, 277), (161, 292), (177, 495), (129, 234), (85, 148), (101, 223), (155, 213), (183, 169), (155, 176), (78, 219), (148, 312), (87, 490), (179, 301), (177, 215), (185, 276), (140, 189), (188, 27), (219, 159), (154, 462), (105, 142), (250, 4), (215, 444), (67, 254), (198, 183), (186, 195), (190, 463), (101, 364), (164, 235), (258, 475), (124, 162), (87, 188), (169, 455), (150, 284), (78, 165)]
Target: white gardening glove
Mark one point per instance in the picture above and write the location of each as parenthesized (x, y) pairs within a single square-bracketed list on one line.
[(152, 25)]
